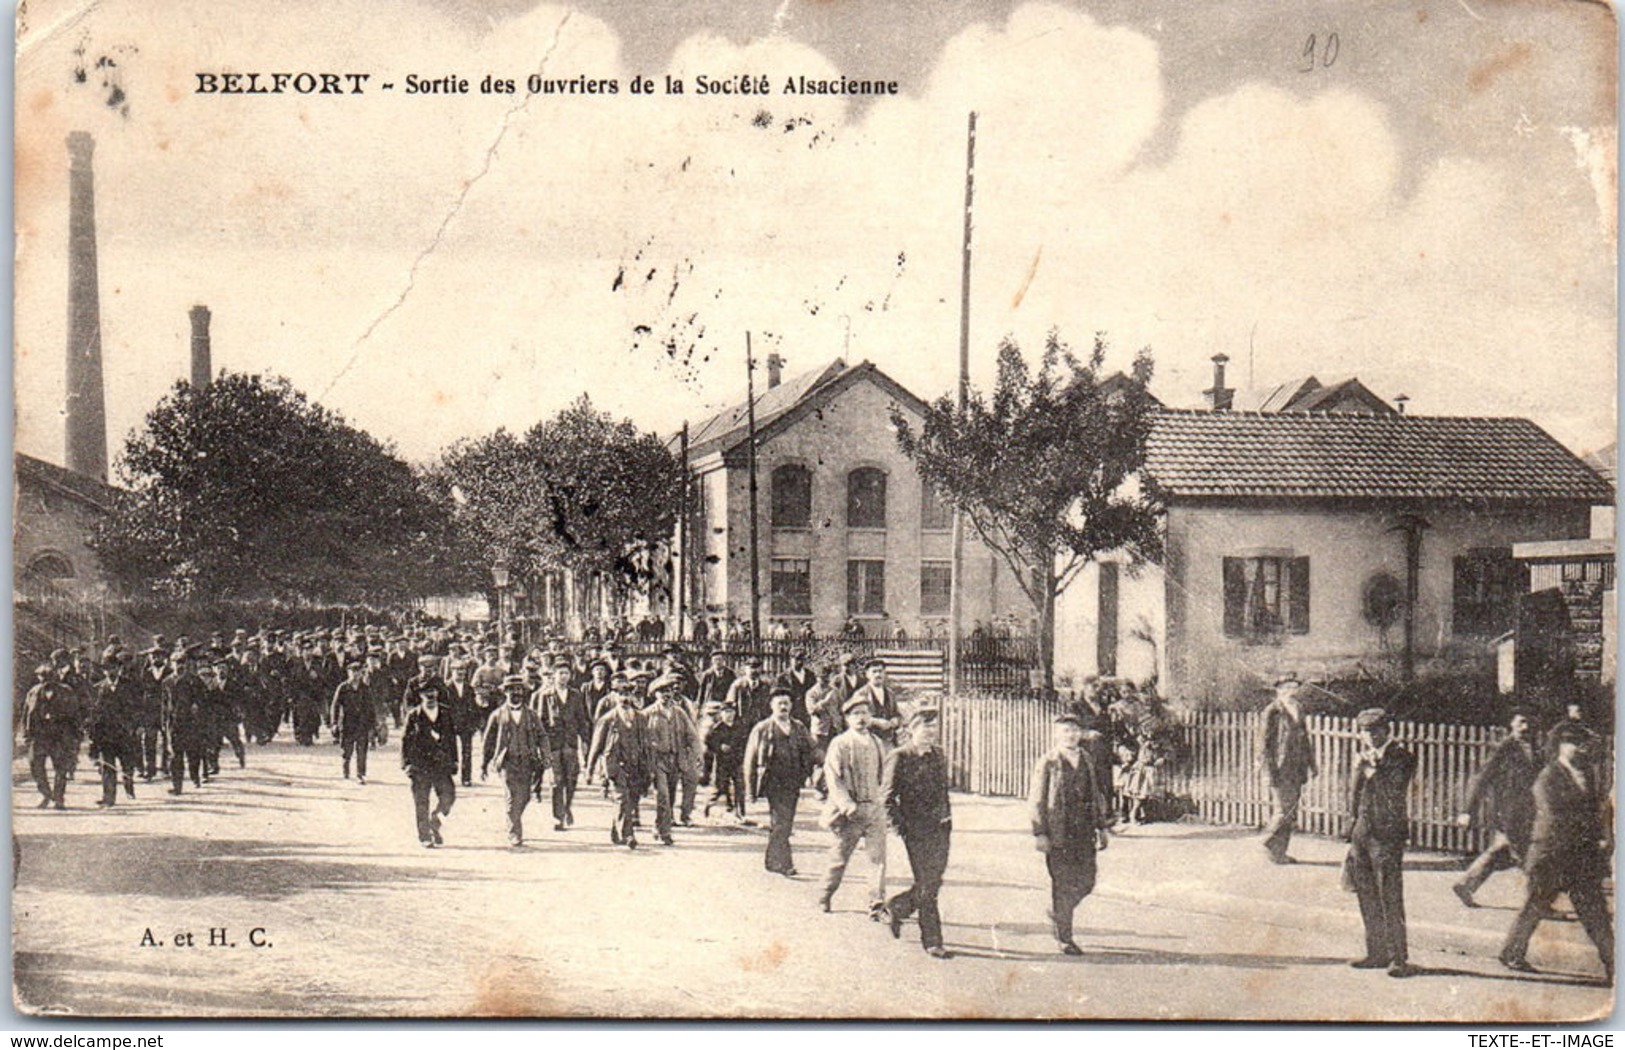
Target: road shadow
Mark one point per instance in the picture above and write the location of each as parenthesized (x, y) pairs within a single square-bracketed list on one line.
[(184, 868)]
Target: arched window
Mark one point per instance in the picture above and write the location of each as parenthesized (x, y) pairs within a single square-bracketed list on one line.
[(866, 499), (51, 567), (792, 497)]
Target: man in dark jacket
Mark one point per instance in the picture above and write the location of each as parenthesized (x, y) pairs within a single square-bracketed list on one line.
[(1285, 754), (1375, 864), (915, 789), (798, 678), (725, 749), (354, 718), (185, 717), (569, 730), (1502, 795), (619, 741), (50, 726), (1568, 850), (778, 759), (113, 714), (1069, 818), (715, 680), (429, 756), (516, 744)]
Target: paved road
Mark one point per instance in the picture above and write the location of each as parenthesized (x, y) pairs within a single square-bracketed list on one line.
[(1190, 922)]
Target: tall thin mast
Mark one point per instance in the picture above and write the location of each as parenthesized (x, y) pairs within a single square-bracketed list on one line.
[(956, 586)]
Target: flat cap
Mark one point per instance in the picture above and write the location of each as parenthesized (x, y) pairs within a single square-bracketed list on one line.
[(666, 681), (1287, 678), (1571, 733), (1370, 718), (924, 714), (857, 700)]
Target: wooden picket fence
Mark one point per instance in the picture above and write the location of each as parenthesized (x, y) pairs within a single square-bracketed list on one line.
[(993, 742)]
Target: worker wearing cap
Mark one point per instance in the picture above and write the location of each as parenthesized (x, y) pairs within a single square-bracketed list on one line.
[(1070, 816), (429, 757), (185, 721), (749, 693), (564, 715), (1288, 759), (1502, 796), (151, 670), (855, 811), (460, 698), (619, 741), (50, 726), (112, 726), (1569, 850), (310, 690), (1376, 859), (597, 690), (354, 718), (516, 744), (886, 702), (670, 735), (715, 680), (798, 678), (914, 786), (778, 759)]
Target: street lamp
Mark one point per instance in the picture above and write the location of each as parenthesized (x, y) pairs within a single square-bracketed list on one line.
[(499, 575)]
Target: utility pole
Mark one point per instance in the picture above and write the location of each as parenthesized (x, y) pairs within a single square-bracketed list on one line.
[(679, 578), (956, 587), (755, 529)]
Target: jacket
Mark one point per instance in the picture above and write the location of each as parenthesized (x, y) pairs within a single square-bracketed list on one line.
[(1283, 746), (619, 740), (1377, 796), (521, 746), (776, 760), (1566, 840), (566, 717), (1065, 803), (847, 774), (915, 789), (429, 748), (1503, 791)]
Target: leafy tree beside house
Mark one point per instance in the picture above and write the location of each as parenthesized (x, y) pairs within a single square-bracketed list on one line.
[(245, 490), (1046, 468)]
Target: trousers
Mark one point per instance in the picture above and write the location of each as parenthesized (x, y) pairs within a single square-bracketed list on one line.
[(627, 790), (356, 744), (566, 771), (1377, 871), (781, 822), (1071, 879), (445, 791), (1278, 832), (867, 825), (664, 781), (465, 748), (60, 750), (1499, 854), (928, 859), (111, 756), (518, 780), (186, 761), (1583, 884)]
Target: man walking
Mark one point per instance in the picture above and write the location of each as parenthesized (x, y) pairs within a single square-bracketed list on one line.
[(1568, 850), (565, 719), (1069, 819), (354, 718), (854, 812), (778, 758), (516, 744), (50, 726), (749, 694), (670, 734), (1285, 753), (1382, 776), (914, 786), (185, 714), (620, 742), (1502, 794), (429, 757), (460, 698), (884, 699), (112, 720)]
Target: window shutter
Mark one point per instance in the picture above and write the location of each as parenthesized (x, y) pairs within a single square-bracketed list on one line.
[(1235, 596), (1298, 614)]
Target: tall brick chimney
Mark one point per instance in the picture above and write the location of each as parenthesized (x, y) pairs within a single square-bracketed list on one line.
[(1220, 398), (86, 409), (775, 370), (201, 370)]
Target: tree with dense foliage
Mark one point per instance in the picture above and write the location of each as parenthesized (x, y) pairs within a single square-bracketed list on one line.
[(1047, 468), (245, 490)]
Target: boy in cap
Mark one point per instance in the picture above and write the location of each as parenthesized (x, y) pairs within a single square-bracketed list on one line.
[(516, 743), (429, 757), (725, 750), (1568, 849), (1381, 779), (1069, 817), (855, 811), (914, 786)]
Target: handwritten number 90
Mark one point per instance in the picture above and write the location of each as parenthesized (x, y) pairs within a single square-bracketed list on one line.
[(1326, 50)]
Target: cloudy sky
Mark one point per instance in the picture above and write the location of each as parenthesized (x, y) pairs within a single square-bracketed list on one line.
[(1429, 206)]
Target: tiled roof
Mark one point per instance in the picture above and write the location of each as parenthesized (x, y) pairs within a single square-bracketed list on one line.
[(1324, 455), (727, 428), (1604, 461), (87, 489)]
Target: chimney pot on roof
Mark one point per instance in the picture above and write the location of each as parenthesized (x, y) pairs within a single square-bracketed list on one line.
[(1220, 397), (775, 370), (1400, 401), (201, 365)]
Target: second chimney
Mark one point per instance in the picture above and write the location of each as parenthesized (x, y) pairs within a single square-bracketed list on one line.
[(775, 370), (201, 366), (1220, 397)]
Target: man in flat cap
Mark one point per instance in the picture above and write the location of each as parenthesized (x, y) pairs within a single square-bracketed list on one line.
[(1381, 780), (460, 698), (619, 741), (564, 715), (1069, 819), (50, 726), (598, 689), (516, 744), (885, 701), (185, 721), (749, 693), (670, 735), (354, 718), (1568, 849), (855, 811), (798, 678), (914, 786), (715, 680), (1288, 759), (429, 757), (1502, 796), (778, 759)]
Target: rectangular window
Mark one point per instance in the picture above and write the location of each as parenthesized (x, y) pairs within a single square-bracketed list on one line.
[(936, 585), (1487, 584), (1265, 597), (792, 587), (865, 588), (935, 514)]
